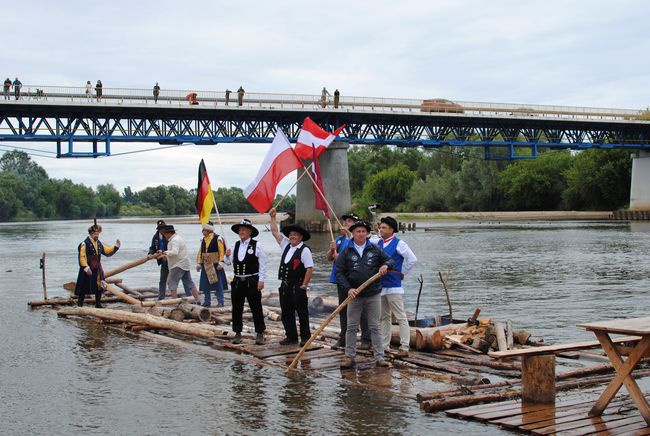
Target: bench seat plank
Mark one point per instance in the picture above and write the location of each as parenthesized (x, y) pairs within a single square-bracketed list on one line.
[(553, 349)]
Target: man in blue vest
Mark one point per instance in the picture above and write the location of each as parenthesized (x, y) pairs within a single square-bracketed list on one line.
[(335, 248), (249, 264), (391, 284), (296, 268)]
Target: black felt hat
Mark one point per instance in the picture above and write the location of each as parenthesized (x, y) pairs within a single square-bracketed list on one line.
[(168, 229), (350, 216), (160, 224), (390, 221), (296, 228), (360, 223), (246, 223)]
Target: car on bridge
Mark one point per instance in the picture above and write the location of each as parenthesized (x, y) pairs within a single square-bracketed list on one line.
[(440, 105)]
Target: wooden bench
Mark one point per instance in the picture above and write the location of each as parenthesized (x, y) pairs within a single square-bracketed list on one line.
[(538, 366)]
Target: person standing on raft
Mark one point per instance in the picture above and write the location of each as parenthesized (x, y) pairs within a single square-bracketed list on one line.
[(209, 261), (91, 272)]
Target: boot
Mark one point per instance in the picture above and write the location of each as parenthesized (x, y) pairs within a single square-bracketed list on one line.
[(237, 338), (80, 300), (347, 362), (98, 300), (259, 339), (339, 344), (382, 363), (289, 341)]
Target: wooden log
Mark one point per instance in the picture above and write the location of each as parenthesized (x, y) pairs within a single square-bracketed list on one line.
[(521, 337), (129, 290), (431, 338), (501, 336), (270, 314), (113, 290), (167, 312), (536, 371), (195, 311), (170, 302), (130, 265), (70, 301), (395, 339), (201, 330), (113, 280)]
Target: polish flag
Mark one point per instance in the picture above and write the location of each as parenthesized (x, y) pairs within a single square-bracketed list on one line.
[(312, 134), (279, 161)]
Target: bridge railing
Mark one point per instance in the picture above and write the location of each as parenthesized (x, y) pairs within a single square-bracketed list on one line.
[(271, 101)]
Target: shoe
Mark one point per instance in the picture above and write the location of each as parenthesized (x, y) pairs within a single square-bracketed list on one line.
[(364, 346), (99, 306), (288, 341), (339, 344), (206, 305), (402, 353), (220, 305), (259, 339), (382, 363), (347, 362), (237, 338), (302, 343)]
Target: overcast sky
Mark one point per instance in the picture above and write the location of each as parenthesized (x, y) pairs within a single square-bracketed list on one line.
[(578, 53)]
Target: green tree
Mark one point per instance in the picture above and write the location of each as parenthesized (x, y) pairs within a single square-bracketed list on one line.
[(389, 187), (110, 200), (535, 184), (599, 180), (10, 205)]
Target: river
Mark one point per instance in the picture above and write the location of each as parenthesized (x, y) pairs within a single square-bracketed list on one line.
[(69, 377)]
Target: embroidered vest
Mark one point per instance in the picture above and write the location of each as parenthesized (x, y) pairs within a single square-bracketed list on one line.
[(250, 264), (294, 270)]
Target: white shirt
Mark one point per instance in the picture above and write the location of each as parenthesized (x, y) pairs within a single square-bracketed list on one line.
[(305, 256), (359, 248), (259, 252), (409, 261), (177, 253)]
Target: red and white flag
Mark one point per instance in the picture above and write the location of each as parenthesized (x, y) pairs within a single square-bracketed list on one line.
[(279, 161), (311, 134)]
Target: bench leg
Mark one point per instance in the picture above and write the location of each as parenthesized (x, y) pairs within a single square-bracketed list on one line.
[(538, 379)]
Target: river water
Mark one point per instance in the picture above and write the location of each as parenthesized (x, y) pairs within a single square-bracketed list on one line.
[(68, 377)]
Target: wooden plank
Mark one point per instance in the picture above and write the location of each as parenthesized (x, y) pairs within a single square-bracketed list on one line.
[(629, 326), (552, 349), (505, 408), (586, 425), (279, 350), (631, 423)]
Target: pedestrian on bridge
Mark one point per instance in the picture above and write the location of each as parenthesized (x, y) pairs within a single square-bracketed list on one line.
[(89, 90), (337, 96), (323, 97), (156, 92), (98, 90), (7, 88), (17, 85), (240, 96), (228, 91)]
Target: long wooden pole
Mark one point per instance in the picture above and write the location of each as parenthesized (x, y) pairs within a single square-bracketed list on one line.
[(129, 265), (328, 320), (113, 290), (323, 195), (444, 285)]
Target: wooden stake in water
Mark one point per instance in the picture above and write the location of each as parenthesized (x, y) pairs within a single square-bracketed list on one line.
[(42, 266)]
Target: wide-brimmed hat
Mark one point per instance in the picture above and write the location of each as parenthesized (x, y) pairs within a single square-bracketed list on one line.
[(390, 221), (245, 223), (160, 224), (296, 228), (350, 216), (209, 226), (360, 223), (167, 228)]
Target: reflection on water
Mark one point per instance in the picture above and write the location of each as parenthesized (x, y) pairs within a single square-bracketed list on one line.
[(65, 376)]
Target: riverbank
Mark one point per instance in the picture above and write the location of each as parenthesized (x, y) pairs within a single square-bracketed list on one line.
[(503, 216)]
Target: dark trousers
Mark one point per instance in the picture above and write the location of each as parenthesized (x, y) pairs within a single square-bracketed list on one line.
[(98, 298), (162, 284), (294, 299), (242, 290), (343, 316)]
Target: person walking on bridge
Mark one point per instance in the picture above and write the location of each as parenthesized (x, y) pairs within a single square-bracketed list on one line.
[(228, 91), (337, 96), (156, 92), (323, 97), (98, 90), (240, 96), (89, 90), (7, 88), (17, 85)]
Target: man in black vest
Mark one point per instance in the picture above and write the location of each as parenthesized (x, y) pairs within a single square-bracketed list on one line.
[(158, 245), (296, 268), (249, 264)]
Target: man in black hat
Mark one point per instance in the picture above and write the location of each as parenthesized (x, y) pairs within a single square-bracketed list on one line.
[(296, 268), (335, 248), (249, 263), (359, 261), (158, 245), (91, 273)]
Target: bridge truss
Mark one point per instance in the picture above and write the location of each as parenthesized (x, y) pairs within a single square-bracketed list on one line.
[(89, 130)]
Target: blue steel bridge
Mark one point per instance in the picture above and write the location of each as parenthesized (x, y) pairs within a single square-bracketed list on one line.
[(81, 126)]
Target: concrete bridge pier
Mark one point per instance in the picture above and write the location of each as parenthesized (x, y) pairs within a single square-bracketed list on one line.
[(336, 181), (640, 184)]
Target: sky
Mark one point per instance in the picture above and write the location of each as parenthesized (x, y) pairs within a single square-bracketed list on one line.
[(577, 53)]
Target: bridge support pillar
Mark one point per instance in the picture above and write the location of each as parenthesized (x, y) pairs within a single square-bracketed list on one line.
[(640, 184), (336, 181)]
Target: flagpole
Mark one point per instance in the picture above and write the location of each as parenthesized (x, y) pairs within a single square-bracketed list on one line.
[(285, 195), (323, 195)]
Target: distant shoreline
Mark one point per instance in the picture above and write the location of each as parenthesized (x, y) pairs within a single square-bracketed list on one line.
[(502, 216)]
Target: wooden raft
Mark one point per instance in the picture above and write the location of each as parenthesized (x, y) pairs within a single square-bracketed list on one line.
[(569, 416)]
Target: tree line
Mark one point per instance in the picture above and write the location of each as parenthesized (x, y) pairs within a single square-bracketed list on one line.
[(399, 179), (461, 180), (28, 193)]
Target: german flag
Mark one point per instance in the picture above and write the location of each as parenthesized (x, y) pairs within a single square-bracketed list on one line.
[(204, 195)]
